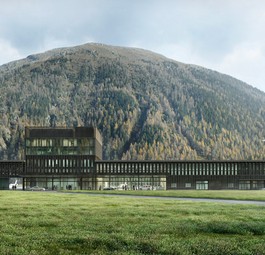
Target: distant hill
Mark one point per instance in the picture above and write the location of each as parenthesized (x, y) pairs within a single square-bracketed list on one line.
[(146, 105)]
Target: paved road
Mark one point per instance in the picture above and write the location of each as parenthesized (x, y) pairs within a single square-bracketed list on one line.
[(226, 201)]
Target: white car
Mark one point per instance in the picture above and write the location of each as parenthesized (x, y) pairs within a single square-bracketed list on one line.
[(36, 188), (145, 187)]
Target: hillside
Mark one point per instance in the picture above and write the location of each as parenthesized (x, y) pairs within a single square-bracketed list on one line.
[(145, 105)]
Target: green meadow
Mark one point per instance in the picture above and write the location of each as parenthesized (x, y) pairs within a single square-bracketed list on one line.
[(43, 223), (258, 195)]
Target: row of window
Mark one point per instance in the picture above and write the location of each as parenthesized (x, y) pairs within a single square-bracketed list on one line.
[(122, 167), (59, 171), (60, 151), (62, 142), (198, 185), (250, 168), (203, 169), (130, 168), (60, 183), (132, 182), (182, 168), (247, 184), (46, 165)]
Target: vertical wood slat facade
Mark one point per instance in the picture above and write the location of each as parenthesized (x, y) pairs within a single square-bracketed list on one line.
[(178, 174), (185, 174), (73, 155)]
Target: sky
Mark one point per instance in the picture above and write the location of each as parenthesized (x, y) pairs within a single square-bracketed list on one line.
[(223, 35)]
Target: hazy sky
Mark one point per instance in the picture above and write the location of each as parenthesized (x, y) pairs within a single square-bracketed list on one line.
[(224, 35)]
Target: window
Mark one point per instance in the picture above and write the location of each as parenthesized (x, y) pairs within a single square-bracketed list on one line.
[(229, 169), (173, 185), (236, 169), (65, 142), (244, 185), (231, 185), (218, 169), (187, 185), (193, 168), (255, 185), (197, 169), (221, 169), (182, 169), (143, 167), (34, 143), (201, 184), (137, 167)]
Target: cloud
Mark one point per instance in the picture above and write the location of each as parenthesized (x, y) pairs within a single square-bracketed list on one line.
[(223, 35), (8, 52), (246, 61)]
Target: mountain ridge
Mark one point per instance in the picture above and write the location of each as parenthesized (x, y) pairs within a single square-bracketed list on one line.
[(146, 105)]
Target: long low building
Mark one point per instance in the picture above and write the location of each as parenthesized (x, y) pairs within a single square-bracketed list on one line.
[(71, 158)]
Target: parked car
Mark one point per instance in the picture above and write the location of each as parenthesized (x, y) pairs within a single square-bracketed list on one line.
[(145, 187), (36, 188), (158, 188), (108, 188)]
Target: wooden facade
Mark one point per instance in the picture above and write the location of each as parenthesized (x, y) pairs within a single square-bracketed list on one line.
[(12, 168), (188, 174), (57, 158), (84, 172)]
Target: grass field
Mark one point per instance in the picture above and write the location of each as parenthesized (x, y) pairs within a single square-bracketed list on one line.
[(258, 195), (43, 223)]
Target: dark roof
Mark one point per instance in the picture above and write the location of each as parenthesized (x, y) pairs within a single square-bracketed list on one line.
[(60, 132)]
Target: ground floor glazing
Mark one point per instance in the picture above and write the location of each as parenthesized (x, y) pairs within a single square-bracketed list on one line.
[(60, 183), (129, 182), (132, 182), (97, 183)]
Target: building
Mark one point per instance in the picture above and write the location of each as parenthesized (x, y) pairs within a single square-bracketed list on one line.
[(71, 158), (10, 169), (62, 158), (188, 174)]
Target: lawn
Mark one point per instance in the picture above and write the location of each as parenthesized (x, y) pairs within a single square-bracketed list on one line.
[(59, 223), (258, 195)]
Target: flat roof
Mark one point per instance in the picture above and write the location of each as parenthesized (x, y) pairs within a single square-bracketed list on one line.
[(62, 132), (181, 161)]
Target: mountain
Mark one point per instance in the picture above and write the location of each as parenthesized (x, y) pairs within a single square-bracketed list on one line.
[(146, 105)]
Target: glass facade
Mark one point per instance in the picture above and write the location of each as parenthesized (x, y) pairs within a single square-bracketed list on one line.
[(60, 183), (60, 146), (132, 182)]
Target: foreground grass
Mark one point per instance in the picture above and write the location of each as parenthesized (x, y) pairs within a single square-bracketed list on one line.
[(58, 223), (258, 195)]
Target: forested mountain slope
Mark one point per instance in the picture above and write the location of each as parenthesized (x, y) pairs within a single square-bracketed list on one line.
[(145, 105)]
